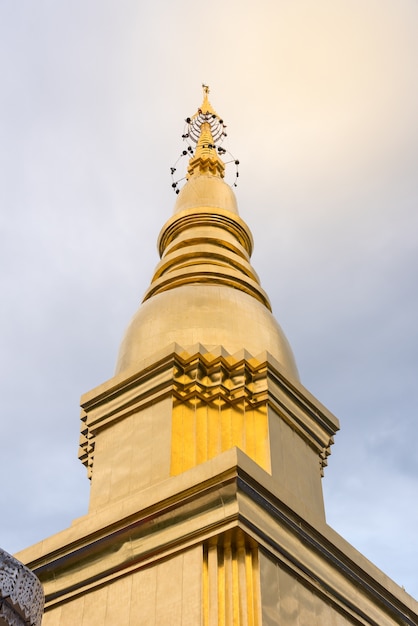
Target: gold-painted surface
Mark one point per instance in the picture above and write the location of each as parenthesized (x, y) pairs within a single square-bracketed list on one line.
[(208, 247), (318, 573), (296, 464), (204, 289), (287, 602), (206, 191), (137, 533), (231, 585), (131, 454), (205, 159), (215, 409), (200, 431), (168, 593), (202, 225), (212, 315), (187, 407), (100, 551)]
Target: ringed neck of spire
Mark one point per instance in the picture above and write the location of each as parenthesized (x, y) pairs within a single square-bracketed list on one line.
[(205, 242)]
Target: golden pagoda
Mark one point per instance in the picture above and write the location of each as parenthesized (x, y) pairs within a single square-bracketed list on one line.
[(205, 453)]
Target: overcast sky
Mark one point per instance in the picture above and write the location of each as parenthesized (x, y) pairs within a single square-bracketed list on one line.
[(321, 100)]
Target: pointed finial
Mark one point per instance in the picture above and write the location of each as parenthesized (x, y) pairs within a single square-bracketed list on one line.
[(206, 129), (206, 107), (204, 133)]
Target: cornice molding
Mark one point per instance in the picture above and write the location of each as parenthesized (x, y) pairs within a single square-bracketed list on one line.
[(208, 376), (202, 217), (216, 497)]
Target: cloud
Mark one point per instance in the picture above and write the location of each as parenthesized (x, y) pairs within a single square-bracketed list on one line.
[(320, 100)]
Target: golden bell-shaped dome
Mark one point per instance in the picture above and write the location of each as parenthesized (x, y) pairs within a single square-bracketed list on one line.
[(204, 290)]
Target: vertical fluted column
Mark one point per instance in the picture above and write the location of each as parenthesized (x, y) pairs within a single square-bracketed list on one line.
[(231, 581)]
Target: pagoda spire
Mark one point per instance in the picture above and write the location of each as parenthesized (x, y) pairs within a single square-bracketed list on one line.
[(207, 127), (205, 243)]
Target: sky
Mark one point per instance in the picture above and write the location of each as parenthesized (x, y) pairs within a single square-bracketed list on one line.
[(320, 98)]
